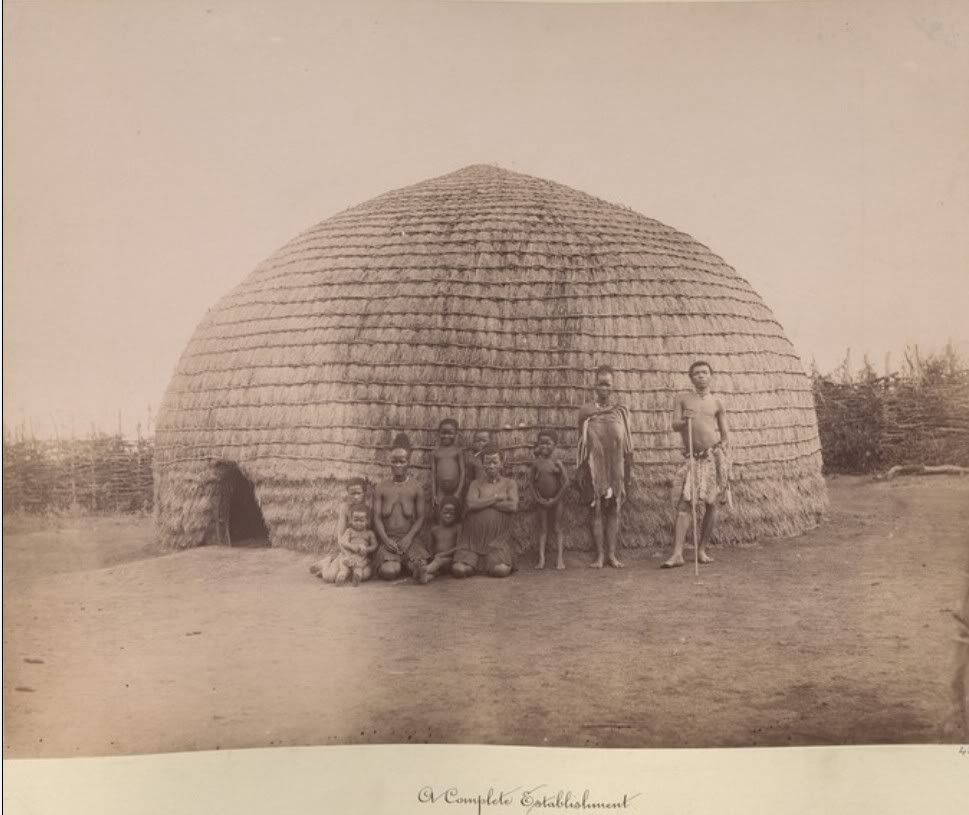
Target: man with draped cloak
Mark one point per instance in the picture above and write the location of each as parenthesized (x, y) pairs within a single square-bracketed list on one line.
[(605, 458)]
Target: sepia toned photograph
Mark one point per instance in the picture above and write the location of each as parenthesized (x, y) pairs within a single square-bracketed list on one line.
[(540, 374)]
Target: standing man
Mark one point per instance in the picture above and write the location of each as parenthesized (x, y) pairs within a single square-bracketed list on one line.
[(605, 461), (705, 412)]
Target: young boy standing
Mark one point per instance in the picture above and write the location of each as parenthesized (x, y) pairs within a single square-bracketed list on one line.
[(703, 414), (549, 482), (447, 465)]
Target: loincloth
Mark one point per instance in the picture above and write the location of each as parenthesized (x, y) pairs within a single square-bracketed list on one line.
[(712, 468), (416, 553)]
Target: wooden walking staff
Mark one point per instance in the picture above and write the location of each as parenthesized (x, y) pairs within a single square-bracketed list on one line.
[(689, 449)]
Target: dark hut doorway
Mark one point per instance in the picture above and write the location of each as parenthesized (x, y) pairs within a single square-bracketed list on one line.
[(240, 521)]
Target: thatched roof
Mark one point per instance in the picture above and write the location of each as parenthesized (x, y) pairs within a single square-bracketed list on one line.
[(490, 297)]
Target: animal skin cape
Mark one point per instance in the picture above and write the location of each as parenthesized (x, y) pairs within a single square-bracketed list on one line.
[(603, 449)]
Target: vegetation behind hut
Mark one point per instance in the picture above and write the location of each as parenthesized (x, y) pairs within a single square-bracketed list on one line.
[(920, 415)]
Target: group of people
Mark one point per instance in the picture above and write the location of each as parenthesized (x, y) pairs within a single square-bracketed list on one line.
[(472, 504)]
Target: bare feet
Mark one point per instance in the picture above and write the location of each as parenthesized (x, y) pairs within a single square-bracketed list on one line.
[(596, 564), (615, 562), (672, 563), (540, 564), (560, 566), (703, 557)]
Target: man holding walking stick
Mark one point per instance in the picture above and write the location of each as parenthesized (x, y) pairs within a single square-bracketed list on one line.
[(701, 420)]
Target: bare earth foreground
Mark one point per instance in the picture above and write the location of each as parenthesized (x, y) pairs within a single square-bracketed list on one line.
[(843, 636)]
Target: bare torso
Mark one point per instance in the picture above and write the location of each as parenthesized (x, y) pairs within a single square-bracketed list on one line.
[(706, 410), (357, 542), (397, 505), (444, 538), (447, 463), (546, 477)]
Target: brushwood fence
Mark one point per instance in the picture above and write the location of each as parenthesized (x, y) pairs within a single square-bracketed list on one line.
[(98, 474), (870, 426)]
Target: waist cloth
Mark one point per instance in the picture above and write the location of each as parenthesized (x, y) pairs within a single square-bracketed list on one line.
[(416, 551), (486, 534), (712, 468)]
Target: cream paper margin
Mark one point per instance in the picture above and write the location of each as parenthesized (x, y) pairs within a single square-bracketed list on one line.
[(388, 779)]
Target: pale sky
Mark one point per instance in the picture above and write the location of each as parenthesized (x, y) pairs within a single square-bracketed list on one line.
[(155, 152)]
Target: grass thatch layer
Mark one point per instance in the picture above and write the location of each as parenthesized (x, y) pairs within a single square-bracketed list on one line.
[(488, 297), (300, 513)]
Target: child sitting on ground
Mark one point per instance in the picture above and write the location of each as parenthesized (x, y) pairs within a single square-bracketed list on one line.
[(549, 482), (447, 464), (444, 541), (357, 543), (326, 568)]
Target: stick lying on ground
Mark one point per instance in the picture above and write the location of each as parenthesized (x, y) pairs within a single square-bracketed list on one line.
[(922, 469)]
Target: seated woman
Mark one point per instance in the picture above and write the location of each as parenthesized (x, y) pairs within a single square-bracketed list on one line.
[(485, 545), (398, 514)]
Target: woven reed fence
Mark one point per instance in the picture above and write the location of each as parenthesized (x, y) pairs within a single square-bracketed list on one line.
[(103, 473), (871, 426)]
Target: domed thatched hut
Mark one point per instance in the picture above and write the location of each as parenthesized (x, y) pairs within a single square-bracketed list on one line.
[(490, 297)]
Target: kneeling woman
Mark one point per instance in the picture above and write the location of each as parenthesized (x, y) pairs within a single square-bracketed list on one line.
[(485, 545), (398, 514)]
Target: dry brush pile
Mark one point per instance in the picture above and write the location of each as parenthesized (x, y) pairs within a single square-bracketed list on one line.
[(873, 425)]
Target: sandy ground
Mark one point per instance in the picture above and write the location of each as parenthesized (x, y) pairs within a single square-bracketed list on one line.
[(842, 636)]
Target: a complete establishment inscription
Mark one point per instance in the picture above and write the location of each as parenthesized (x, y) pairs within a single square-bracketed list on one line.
[(529, 799)]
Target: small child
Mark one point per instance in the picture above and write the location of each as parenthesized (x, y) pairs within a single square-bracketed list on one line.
[(549, 482), (356, 494), (326, 568), (357, 543), (447, 464), (444, 541), (472, 465)]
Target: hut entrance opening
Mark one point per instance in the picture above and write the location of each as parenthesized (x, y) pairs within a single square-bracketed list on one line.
[(240, 521)]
